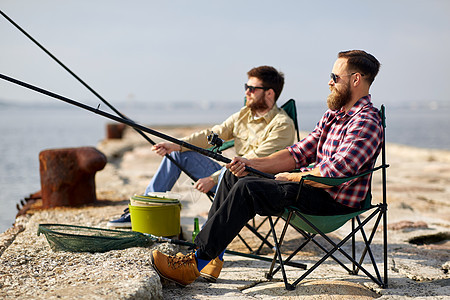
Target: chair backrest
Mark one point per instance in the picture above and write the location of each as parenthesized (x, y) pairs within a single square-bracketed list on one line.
[(366, 204), (330, 223), (289, 107)]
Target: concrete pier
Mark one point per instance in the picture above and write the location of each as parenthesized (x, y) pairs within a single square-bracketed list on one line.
[(419, 206)]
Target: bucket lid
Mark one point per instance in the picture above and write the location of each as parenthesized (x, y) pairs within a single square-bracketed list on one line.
[(154, 199), (163, 195)]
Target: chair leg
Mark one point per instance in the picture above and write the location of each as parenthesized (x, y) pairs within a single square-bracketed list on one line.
[(245, 243), (269, 275), (258, 235), (255, 232), (354, 272), (357, 225), (287, 285), (383, 282), (385, 242), (267, 235), (367, 249), (338, 247), (368, 241), (287, 261)]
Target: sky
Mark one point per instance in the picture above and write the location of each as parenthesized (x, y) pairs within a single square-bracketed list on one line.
[(200, 51)]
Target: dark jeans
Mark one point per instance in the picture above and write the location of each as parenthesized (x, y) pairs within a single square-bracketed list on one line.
[(238, 200)]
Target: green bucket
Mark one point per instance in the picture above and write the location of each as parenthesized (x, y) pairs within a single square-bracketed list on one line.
[(155, 215)]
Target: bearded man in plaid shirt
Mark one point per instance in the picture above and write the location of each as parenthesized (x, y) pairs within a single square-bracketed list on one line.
[(345, 142)]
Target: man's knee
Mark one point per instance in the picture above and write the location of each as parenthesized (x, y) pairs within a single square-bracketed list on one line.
[(248, 184), (176, 155)]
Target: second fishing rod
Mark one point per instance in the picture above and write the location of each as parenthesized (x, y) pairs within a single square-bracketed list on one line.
[(128, 122)]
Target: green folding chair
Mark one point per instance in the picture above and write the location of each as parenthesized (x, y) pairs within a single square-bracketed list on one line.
[(311, 226)]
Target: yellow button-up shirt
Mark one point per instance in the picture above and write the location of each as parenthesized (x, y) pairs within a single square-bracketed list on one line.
[(253, 136)]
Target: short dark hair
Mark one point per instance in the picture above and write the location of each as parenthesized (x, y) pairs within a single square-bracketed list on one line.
[(362, 62), (270, 77)]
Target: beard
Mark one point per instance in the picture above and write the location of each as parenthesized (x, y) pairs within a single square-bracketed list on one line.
[(338, 99), (257, 104)]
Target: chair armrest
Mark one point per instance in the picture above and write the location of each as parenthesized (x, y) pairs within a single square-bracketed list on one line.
[(335, 181), (226, 145)]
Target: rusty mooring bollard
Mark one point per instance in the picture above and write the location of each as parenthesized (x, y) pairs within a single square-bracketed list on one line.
[(114, 130), (68, 175)]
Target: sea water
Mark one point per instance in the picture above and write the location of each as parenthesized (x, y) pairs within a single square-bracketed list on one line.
[(28, 129)]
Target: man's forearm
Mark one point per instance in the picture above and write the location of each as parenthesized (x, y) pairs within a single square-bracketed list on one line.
[(281, 161)]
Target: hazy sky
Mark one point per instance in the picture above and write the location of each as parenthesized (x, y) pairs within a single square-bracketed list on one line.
[(167, 51)]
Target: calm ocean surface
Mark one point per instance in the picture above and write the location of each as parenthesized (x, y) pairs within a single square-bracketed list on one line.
[(26, 130)]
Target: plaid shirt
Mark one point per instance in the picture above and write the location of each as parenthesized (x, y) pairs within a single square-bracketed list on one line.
[(341, 145)]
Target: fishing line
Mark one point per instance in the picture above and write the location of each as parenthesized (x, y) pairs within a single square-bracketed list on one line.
[(129, 122), (209, 193)]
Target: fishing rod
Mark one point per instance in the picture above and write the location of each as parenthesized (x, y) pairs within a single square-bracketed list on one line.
[(128, 122), (209, 193)]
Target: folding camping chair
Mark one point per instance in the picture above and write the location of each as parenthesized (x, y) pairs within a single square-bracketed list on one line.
[(290, 108), (312, 225)]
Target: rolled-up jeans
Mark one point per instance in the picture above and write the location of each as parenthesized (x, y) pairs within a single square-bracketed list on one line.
[(168, 173)]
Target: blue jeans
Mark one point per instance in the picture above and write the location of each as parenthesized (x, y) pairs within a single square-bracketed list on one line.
[(168, 173)]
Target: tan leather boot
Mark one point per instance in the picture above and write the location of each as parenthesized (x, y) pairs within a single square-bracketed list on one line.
[(181, 269), (212, 270)]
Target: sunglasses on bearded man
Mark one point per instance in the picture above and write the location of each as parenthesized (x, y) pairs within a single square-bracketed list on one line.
[(252, 89), (336, 77)]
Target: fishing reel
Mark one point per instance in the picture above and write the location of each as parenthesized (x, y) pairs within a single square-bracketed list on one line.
[(215, 141)]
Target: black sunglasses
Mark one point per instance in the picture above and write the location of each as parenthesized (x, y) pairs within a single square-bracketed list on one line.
[(252, 89), (335, 77)]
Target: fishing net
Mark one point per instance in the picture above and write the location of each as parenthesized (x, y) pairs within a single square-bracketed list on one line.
[(74, 238)]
